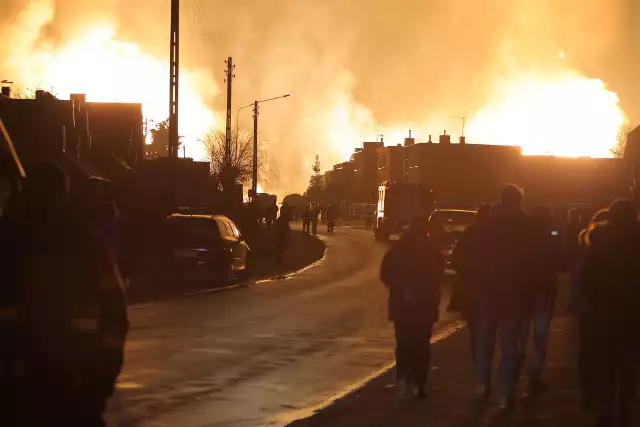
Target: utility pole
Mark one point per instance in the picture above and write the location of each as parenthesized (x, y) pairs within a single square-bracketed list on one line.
[(228, 80), (254, 175), (174, 67)]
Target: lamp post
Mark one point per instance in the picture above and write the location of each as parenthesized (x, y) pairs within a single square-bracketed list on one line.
[(255, 104)]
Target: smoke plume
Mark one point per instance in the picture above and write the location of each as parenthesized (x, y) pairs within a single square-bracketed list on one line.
[(357, 68)]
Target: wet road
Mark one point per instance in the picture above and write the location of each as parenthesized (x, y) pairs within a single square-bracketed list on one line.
[(260, 355)]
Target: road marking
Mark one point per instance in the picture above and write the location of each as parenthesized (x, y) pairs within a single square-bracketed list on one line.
[(290, 417)]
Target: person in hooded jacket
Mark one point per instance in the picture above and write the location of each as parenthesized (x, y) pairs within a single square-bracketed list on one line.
[(610, 279), (413, 270), (587, 360), (464, 260), (548, 257), (504, 292)]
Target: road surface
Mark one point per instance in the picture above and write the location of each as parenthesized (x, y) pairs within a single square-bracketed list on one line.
[(261, 355)]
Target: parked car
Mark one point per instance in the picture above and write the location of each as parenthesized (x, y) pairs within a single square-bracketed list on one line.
[(446, 226), (202, 248)]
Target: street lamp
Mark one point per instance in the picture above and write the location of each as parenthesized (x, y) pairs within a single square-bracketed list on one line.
[(254, 180)]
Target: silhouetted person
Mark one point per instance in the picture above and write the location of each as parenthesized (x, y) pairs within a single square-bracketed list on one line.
[(63, 311), (315, 212), (503, 296), (548, 257), (587, 351), (413, 270), (368, 217), (611, 283), (464, 260), (286, 211), (575, 225), (281, 238), (306, 219), (270, 215), (331, 218)]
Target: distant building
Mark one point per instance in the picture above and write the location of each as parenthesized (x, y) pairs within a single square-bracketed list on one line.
[(365, 160), (391, 164), (339, 183), (466, 175), (461, 173)]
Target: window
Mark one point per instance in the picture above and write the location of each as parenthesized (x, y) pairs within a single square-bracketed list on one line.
[(234, 229), (228, 230), (192, 232)]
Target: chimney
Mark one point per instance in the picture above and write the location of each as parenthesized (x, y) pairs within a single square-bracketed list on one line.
[(444, 138), (430, 141), (6, 91), (409, 141), (463, 140)]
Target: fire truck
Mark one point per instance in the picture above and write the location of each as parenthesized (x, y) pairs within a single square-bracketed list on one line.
[(398, 203)]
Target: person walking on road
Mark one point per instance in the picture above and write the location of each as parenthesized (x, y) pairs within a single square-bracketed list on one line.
[(315, 212), (331, 218), (464, 261), (63, 311), (413, 270), (587, 362), (306, 219), (271, 214), (610, 279), (548, 261), (281, 238), (575, 224), (503, 294)]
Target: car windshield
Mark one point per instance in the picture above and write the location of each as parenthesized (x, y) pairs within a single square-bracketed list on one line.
[(192, 232)]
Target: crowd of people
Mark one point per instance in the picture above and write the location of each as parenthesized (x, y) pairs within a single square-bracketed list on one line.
[(508, 266)]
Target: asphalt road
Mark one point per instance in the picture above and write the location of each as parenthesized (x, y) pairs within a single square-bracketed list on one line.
[(262, 355)]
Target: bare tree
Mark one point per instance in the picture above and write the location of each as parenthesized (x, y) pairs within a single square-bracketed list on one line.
[(30, 93), (621, 142), (241, 157)]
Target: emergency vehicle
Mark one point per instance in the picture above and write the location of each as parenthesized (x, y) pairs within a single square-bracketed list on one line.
[(398, 203)]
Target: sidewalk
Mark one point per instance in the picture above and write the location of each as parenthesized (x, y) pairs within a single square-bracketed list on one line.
[(451, 400)]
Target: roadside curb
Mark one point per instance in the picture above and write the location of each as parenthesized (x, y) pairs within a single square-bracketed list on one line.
[(245, 284), (290, 274)]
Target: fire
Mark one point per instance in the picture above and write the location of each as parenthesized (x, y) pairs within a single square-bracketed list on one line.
[(109, 70), (560, 114), (563, 115)]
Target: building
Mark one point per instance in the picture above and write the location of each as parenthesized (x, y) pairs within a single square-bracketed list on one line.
[(365, 160), (391, 164), (162, 185), (116, 131), (461, 173), (106, 135), (546, 180), (466, 175), (339, 183)]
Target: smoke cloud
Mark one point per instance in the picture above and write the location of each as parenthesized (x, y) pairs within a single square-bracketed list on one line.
[(357, 68)]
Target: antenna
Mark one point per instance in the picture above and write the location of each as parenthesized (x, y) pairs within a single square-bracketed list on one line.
[(464, 122)]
